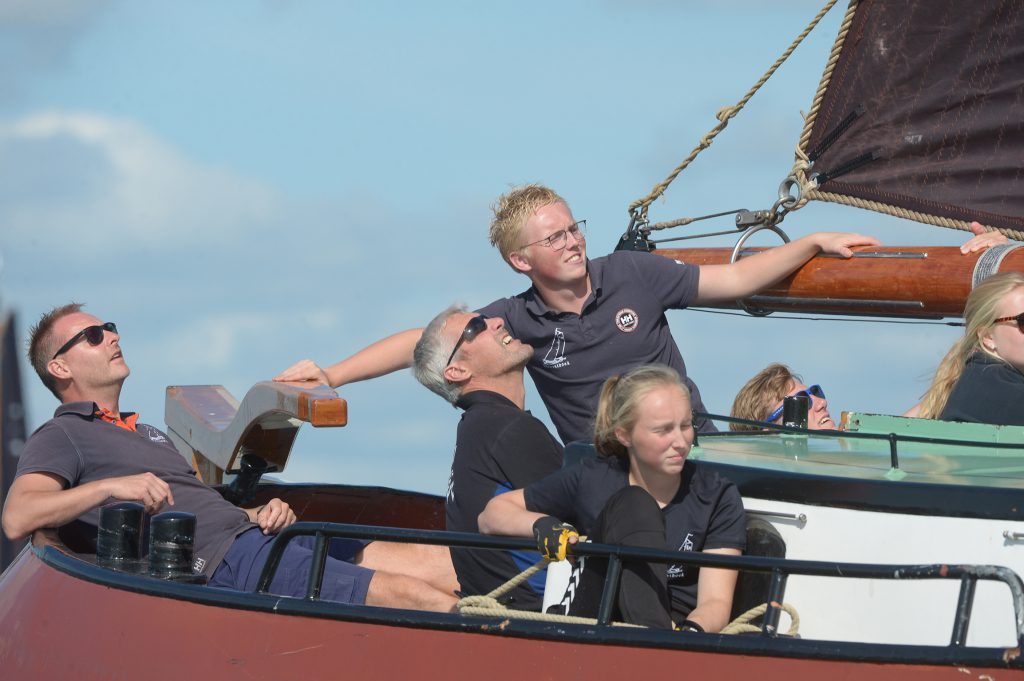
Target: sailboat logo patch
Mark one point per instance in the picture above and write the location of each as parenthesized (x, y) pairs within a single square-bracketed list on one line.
[(627, 320), (555, 357)]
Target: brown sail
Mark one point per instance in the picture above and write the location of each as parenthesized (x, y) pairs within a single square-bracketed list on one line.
[(923, 114)]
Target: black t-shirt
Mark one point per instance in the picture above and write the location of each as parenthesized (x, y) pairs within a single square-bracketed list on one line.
[(988, 391), (499, 447), (80, 447), (706, 513)]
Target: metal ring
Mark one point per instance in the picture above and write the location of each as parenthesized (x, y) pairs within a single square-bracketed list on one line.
[(750, 231), (788, 197)]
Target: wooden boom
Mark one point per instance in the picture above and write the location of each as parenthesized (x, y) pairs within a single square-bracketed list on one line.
[(211, 429), (929, 282)]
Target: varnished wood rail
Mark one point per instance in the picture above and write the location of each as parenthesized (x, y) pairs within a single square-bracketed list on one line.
[(213, 430)]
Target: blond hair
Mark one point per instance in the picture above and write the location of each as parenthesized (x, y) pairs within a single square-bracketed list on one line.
[(980, 314), (757, 398), (620, 396), (511, 212)]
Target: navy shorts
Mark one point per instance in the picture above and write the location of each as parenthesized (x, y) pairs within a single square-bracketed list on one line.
[(343, 582)]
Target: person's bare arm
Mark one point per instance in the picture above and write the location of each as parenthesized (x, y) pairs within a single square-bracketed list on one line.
[(715, 587), (38, 500), (383, 357), (506, 514), (747, 276)]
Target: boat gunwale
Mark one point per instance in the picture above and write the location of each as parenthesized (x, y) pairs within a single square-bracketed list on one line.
[(55, 556)]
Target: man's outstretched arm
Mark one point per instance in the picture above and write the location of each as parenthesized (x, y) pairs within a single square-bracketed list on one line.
[(748, 276), (383, 357), (38, 500)]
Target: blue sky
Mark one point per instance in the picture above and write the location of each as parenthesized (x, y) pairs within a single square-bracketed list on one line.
[(240, 185)]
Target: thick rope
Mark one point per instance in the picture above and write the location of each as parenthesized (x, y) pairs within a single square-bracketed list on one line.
[(488, 606), (802, 163), (826, 75), (725, 114), (742, 624), (925, 218)]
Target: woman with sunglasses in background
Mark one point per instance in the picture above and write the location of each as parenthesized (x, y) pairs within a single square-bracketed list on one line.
[(639, 491), (761, 399), (980, 379)]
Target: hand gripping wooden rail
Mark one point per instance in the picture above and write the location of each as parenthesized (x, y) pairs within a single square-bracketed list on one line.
[(213, 430)]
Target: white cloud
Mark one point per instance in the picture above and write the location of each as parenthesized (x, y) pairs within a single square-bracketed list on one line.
[(85, 179)]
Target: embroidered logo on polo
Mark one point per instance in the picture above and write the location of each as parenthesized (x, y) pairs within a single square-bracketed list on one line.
[(555, 358), (679, 571), (152, 433), (627, 320)]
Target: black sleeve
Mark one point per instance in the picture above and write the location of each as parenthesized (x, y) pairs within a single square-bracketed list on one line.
[(525, 452), (727, 527), (556, 494)]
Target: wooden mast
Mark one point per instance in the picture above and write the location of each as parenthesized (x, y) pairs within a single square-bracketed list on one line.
[(925, 282)]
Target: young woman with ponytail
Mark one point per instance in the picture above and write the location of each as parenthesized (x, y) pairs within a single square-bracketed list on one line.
[(981, 378), (639, 491)]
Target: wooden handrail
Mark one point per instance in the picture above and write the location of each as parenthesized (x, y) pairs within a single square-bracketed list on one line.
[(212, 429)]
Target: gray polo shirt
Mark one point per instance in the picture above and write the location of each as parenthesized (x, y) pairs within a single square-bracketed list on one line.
[(80, 447), (622, 326)]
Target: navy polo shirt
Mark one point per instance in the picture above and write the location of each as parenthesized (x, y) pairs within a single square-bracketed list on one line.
[(80, 447), (622, 326)]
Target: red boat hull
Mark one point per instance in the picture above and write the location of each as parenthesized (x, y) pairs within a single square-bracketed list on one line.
[(58, 626)]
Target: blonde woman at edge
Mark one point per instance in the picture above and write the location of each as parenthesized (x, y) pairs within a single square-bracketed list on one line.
[(639, 491), (980, 379)]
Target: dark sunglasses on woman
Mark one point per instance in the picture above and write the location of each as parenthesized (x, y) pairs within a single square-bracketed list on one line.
[(1019, 318), (814, 390)]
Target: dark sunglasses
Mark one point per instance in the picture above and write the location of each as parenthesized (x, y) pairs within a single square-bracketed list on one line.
[(474, 327), (814, 390), (93, 334), (1019, 318)]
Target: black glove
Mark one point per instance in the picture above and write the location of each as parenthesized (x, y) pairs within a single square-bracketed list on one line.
[(690, 625), (552, 537)]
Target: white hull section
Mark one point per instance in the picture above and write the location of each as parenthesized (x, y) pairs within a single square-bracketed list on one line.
[(894, 611)]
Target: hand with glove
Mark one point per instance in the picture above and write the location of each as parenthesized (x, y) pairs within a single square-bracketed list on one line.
[(554, 537)]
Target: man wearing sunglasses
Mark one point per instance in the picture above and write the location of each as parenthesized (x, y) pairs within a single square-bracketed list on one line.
[(91, 453), (588, 319), (475, 364)]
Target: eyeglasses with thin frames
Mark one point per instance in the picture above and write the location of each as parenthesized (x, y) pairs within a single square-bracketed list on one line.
[(558, 240), (474, 327), (814, 390), (1019, 318), (93, 334)]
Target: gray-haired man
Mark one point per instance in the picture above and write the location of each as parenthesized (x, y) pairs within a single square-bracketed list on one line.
[(475, 364)]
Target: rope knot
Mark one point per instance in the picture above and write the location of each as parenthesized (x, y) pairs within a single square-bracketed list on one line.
[(727, 112)]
